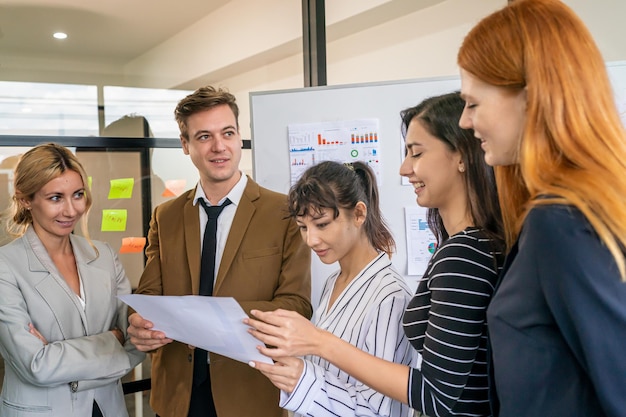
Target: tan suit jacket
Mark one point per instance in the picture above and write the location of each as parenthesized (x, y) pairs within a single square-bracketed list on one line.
[(265, 266)]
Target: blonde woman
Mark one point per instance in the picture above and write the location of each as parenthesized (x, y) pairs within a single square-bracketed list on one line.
[(62, 328)]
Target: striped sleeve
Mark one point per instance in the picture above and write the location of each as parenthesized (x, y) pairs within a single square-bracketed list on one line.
[(447, 323), (321, 392)]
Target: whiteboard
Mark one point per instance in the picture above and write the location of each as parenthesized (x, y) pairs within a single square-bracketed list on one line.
[(271, 112)]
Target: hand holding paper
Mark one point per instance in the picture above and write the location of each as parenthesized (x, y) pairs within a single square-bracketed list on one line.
[(211, 323)]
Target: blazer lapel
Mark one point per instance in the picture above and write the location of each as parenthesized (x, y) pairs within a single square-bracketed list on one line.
[(191, 225), (243, 217), (96, 286), (508, 260), (54, 290)]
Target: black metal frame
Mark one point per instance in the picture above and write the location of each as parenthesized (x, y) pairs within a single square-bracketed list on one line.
[(314, 42), (91, 142)]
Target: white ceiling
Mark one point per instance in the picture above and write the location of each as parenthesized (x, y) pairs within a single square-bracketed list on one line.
[(141, 42), (114, 31)]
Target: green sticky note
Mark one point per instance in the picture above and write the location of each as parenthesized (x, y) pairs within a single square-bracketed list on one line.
[(114, 220), (121, 188)]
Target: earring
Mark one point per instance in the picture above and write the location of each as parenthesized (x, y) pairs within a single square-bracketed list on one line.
[(461, 168)]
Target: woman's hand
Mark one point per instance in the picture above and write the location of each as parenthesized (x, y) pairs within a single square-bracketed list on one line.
[(288, 332), (284, 374), (35, 332)]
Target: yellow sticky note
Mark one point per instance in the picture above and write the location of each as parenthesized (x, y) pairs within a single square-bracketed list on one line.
[(114, 220), (133, 244), (89, 181), (121, 188)]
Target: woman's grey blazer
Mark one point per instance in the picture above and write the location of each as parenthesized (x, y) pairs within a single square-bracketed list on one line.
[(83, 361)]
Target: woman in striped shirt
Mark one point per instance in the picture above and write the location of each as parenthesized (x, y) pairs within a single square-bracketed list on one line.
[(336, 207), (445, 321)]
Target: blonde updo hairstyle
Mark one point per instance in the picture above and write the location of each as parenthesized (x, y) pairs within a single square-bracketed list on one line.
[(35, 169)]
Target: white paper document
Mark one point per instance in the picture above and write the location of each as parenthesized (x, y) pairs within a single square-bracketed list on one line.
[(211, 323)]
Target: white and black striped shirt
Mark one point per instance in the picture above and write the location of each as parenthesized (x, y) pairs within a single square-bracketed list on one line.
[(367, 314), (446, 323)]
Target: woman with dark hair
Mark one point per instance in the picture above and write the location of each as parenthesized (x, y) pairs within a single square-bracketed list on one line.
[(540, 101), (445, 321), (337, 209)]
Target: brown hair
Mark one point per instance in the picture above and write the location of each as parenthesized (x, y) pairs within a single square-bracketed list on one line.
[(440, 116), (202, 99)]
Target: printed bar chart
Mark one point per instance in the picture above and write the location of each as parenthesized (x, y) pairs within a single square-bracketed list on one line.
[(341, 141)]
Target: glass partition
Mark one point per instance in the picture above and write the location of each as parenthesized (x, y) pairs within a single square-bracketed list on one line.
[(48, 109), (128, 178), (156, 105), (130, 171)]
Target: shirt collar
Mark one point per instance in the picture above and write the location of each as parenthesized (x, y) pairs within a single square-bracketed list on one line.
[(234, 195)]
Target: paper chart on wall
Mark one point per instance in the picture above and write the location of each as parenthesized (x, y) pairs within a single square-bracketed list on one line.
[(420, 241), (341, 141)]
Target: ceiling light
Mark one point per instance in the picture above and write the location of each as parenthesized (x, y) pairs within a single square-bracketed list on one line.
[(60, 35)]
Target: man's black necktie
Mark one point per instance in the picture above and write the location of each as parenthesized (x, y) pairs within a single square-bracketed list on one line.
[(207, 277)]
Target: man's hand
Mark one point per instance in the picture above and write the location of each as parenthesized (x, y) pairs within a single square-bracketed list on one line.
[(142, 335)]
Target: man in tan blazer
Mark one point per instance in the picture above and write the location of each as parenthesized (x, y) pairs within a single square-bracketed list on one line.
[(261, 261)]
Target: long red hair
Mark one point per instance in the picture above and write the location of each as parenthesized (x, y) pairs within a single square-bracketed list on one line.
[(574, 144)]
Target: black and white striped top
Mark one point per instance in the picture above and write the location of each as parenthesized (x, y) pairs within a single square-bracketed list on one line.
[(368, 314), (446, 322)]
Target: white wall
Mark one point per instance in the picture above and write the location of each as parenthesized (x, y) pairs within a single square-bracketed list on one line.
[(605, 20), (422, 43), (251, 45)]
